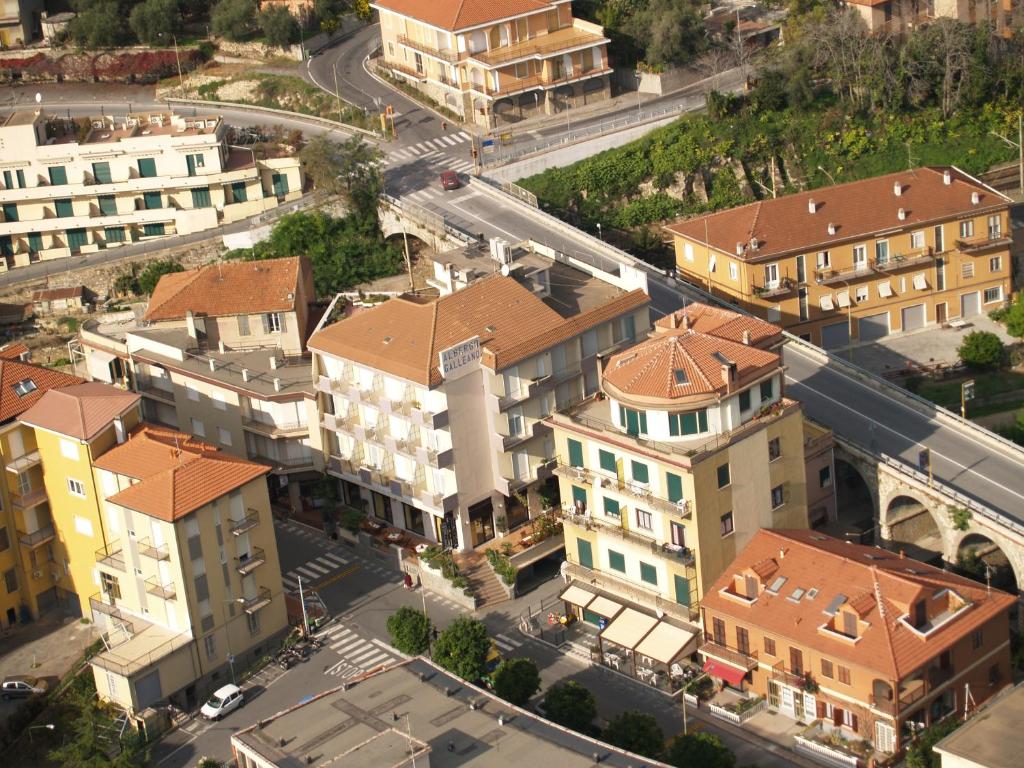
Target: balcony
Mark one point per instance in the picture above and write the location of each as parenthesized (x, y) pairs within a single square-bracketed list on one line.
[(24, 463), (531, 82), (111, 555), (424, 418), (559, 41), (735, 658), (983, 243), (509, 441), (28, 499), (250, 561), (163, 591), (147, 385), (640, 493), (260, 600), (832, 275), (911, 691), (147, 549), (404, 69), (283, 464), (913, 258), (784, 676), (275, 429), (443, 54), (247, 523), (38, 537), (774, 290), (527, 389), (99, 604)]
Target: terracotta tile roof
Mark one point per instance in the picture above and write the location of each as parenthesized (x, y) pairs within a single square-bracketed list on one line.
[(723, 323), (229, 288), (880, 583), (857, 209), (176, 473), (15, 399), (13, 351), (79, 410), (461, 14), (53, 294), (403, 336)]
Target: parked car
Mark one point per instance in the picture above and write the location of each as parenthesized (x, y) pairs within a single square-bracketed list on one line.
[(22, 686), (224, 701), (450, 180)]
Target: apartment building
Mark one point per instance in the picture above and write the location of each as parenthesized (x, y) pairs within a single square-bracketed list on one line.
[(28, 554), (857, 261), (20, 21), (870, 644), (219, 353), (491, 62), (896, 16), (72, 187), (434, 408), (165, 541), (687, 450)]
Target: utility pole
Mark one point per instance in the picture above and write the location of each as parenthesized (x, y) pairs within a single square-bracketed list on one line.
[(302, 602), (408, 261), (337, 93), (1019, 146)]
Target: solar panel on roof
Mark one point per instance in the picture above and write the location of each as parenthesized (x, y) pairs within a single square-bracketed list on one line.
[(834, 605)]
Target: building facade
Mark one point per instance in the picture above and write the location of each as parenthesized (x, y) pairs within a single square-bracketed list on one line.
[(72, 187), (866, 642), (857, 261), (490, 62), (901, 16), (20, 22), (689, 448), (164, 541)]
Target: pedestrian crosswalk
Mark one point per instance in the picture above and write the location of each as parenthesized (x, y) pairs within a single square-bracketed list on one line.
[(506, 644), (314, 570), (449, 142), (358, 655)]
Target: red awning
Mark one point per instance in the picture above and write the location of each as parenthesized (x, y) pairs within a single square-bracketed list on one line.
[(731, 675)]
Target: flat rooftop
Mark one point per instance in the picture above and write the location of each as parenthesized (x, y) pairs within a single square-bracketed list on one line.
[(387, 718), (992, 738), (20, 117), (143, 645)]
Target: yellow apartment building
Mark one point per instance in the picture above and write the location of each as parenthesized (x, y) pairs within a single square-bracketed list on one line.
[(855, 262), (901, 16), (20, 22), (689, 449), (491, 62), (165, 541)]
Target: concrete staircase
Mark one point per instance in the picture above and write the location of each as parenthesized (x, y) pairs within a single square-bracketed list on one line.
[(482, 579)]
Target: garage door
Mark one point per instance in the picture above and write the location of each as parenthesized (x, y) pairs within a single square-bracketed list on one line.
[(147, 690), (835, 335), (874, 327), (913, 317), (970, 304)]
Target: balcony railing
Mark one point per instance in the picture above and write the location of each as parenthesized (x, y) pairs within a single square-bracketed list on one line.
[(912, 258), (774, 290), (250, 561), (444, 55), (530, 82), (613, 526), (535, 48), (247, 523), (282, 464), (981, 243), (639, 492), (260, 600), (275, 429), (163, 591), (37, 538), (111, 555), (747, 661), (783, 675), (147, 385), (28, 499), (404, 69), (24, 463), (148, 549), (831, 275)]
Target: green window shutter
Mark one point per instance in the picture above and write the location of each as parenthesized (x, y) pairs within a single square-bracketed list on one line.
[(147, 167), (151, 200), (640, 472), (238, 193), (766, 390), (6, 246), (648, 573), (745, 400), (63, 207), (643, 422), (689, 423), (575, 453), (580, 495), (58, 175), (674, 483), (8, 180), (611, 507), (682, 590), (723, 476), (280, 184), (586, 554), (76, 239), (201, 197), (10, 211), (607, 461), (702, 421), (101, 173), (114, 234), (673, 424), (616, 561), (35, 242), (152, 230), (21, 179), (108, 205), (190, 163)]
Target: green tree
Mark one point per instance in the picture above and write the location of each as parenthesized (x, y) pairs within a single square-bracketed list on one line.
[(699, 749), (463, 647), (349, 169), (152, 20), (1013, 316), (152, 273), (233, 19), (98, 24), (409, 630), (516, 680), (920, 753), (674, 32), (982, 350), (85, 746), (635, 732), (362, 9), (571, 705), (279, 26)]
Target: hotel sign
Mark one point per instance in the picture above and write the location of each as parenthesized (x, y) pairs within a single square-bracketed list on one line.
[(459, 360)]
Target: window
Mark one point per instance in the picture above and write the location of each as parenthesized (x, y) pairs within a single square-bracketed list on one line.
[(63, 208), (678, 534), (743, 640), (744, 400), (76, 239), (69, 449), (640, 472), (648, 573), (575, 453), (734, 271), (796, 661), (224, 436), (76, 487), (860, 256), (882, 251), (193, 162), (723, 475), (192, 392), (692, 423), (153, 230), (10, 212), (58, 174), (725, 524), (766, 390), (774, 449), (977, 639), (201, 197), (778, 496), (917, 239), (995, 226), (718, 630), (113, 234), (5, 541), (616, 561), (674, 484), (253, 620), (825, 477), (611, 507), (35, 242), (147, 167), (579, 498), (151, 200), (769, 646), (993, 674), (109, 585), (844, 675), (211, 647), (993, 294), (824, 261), (11, 581), (862, 293), (771, 275), (516, 423), (826, 669), (198, 429), (606, 459), (967, 269), (967, 228), (279, 182), (108, 205), (995, 264), (101, 173), (272, 322), (217, 398), (644, 519), (238, 193), (688, 251), (243, 325), (634, 422)]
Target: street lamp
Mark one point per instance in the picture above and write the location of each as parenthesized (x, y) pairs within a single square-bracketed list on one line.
[(827, 174), (47, 726), (177, 59), (227, 635), (966, 393), (639, 77), (599, 231)]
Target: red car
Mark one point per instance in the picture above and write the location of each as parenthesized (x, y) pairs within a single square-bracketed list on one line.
[(450, 180)]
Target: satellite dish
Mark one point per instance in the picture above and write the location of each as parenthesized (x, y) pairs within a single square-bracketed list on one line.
[(39, 98)]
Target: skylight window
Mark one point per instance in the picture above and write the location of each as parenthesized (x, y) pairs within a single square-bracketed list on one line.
[(680, 377), (777, 585), (25, 387), (812, 593), (797, 594)]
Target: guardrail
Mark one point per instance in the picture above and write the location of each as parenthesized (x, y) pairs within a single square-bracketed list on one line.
[(430, 219), (524, 195), (196, 103)]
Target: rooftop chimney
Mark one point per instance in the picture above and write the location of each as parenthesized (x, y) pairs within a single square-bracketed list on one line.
[(245, 374), (901, 214), (975, 198), (897, 189), (746, 338), (782, 552), (831, 228), (220, 346), (277, 384), (213, 364), (673, 320), (739, 249), (947, 178), (190, 326), (812, 207), (273, 362), (686, 321)]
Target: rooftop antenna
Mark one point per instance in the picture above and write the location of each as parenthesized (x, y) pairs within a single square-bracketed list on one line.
[(911, 160), (412, 749)]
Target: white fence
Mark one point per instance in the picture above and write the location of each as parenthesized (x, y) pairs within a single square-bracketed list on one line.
[(737, 718), (825, 754)]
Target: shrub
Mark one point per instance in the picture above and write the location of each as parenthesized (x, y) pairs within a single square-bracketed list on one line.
[(151, 274), (279, 26), (502, 566), (635, 732), (463, 647), (233, 19), (571, 705), (516, 680), (982, 350), (703, 749)]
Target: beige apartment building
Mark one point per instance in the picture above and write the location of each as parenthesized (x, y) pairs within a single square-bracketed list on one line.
[(20, 21), (219, 353), (163, 540), (896, 16), (687, 450), (434, 409), (857, 261), (493, 62), (69, 189)]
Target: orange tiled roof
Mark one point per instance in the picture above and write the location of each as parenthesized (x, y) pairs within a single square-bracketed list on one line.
[(230, 288), (79, 410), (13, 372), (723, 323), (461, 14), (857, 209), (176, 473), (13, 351), (880, 585)]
